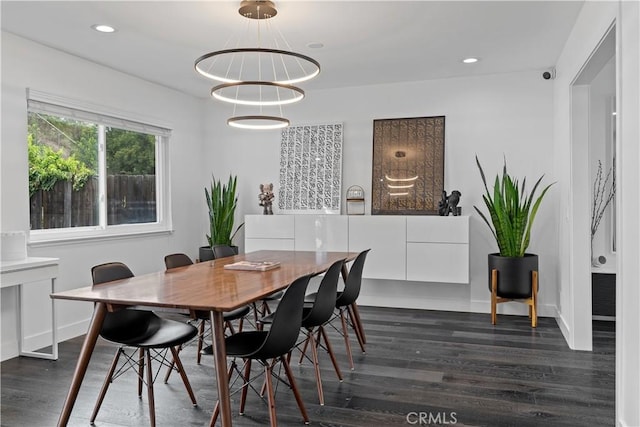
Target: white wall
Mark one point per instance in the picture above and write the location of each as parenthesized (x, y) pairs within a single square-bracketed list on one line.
[(491, 115), (26, 64), (628, 291)]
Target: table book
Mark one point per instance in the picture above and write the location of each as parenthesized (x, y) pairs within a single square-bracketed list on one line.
[(253, 265)]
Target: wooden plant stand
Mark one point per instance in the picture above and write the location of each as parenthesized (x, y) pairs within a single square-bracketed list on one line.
[(532, 301)]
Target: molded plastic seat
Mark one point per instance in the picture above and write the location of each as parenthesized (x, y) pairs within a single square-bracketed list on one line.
[(270, 347), (314, 316), (143, 330), (346, 303)]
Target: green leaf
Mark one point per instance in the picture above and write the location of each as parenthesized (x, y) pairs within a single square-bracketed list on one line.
[(222, 202), (511, 211)]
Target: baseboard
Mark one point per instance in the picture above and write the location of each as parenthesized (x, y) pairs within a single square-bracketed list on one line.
[(442, 304), (9, 350), (515, 308), (73, 330), (564, 328)]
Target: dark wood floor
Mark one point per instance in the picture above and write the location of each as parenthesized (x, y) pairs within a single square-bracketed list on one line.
[(453, 367)]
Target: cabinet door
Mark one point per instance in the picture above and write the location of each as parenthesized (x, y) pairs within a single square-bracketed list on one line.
[(262, 232), (386, 237), (322, 233), (252, 245), (269, 226), (438, 262)]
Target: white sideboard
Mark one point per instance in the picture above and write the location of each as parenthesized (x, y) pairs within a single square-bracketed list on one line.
[(416, 248)]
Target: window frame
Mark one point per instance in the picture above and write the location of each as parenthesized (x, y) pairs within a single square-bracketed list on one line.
[(102, 116)]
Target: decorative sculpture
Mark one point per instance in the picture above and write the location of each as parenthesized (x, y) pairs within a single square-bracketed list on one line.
[(449, 204), (266, 198)]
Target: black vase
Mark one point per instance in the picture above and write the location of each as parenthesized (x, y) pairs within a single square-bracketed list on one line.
[(514, 274)]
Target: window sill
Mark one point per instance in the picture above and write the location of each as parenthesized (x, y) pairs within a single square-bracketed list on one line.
[(54, 239)]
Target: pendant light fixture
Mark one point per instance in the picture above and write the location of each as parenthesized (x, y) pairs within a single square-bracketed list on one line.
[(261, 77)]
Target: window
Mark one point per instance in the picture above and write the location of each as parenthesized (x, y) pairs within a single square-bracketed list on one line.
[(93, 174)]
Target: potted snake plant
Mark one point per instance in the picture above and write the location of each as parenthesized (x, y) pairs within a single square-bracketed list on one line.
[(511, 215), (222, 201)]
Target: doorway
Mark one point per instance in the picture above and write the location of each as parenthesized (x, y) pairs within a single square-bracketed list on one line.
[(593, 160)]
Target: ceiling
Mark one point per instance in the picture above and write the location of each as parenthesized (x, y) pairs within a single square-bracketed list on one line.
[(365, 42)]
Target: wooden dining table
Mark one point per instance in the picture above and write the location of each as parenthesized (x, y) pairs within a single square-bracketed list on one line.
[(204, 286)]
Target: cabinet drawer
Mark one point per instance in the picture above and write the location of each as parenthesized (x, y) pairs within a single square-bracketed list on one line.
[(438, 229)]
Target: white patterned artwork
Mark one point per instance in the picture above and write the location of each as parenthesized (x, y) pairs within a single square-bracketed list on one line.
[(311, 169)]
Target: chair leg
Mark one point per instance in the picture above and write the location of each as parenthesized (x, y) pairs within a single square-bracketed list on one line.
[(304, 350), (183, 375), (140, 371), (316, 366), (171, 365), (270, 395), (332, 355), (200, 340), (494, 296), (345, 333), (245, 385), (229, 325), (358, 321), (152, 406), (356, 329), (105, 385), (294, 388)]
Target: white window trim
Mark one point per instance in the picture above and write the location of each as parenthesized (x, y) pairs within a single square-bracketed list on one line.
[(98, 114)]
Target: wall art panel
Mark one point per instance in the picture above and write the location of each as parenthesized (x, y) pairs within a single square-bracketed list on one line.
[(311, 169), (408, 166)]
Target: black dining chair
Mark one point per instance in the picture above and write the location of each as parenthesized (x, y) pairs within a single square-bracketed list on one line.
[(224, 251), (345, 302), (150, 335), (203, 317), (314, 316), (270, 348)]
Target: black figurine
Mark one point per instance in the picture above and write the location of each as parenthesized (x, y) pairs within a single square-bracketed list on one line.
[(449, 204), (442, 204)]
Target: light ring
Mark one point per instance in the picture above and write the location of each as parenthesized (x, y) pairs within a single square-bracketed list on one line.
[(307, 76), (275, 122), (298, 94)]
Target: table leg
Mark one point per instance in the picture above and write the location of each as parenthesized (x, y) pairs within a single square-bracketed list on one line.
[(220, 354), (90, 339), (54, 336), (54, 325)]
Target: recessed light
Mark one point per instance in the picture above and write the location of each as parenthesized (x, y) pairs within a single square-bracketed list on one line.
[(470, 60), (315, 45), (103, 28)]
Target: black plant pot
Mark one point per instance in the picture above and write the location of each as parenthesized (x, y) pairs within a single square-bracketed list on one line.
[(514, 274), (205, 253)]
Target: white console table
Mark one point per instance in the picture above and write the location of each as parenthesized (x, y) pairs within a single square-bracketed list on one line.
[(18, 273)]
